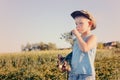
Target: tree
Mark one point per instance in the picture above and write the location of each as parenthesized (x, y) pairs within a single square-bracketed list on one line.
[(100, 45), (39, 46), (52, 46), (42, 45), (118, 44)]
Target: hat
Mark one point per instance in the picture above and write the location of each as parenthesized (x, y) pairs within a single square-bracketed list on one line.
[(85, 14)]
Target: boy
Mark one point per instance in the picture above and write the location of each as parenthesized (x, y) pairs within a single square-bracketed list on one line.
[(84, 48)]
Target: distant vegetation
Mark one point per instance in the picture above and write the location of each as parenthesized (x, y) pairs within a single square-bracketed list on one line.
[(109, 45), (39, 46), (52, 46), (41, 65)]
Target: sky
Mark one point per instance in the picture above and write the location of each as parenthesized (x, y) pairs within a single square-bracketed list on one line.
[(34, 21)]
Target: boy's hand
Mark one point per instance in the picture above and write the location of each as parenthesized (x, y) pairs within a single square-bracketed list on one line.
[(62, 64), (76, 32), (66, 67)]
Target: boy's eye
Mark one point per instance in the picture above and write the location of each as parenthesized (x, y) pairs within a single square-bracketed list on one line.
[(76, 23), (79, 23)]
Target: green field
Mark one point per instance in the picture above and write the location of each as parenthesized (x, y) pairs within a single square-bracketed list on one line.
[(41, 65)]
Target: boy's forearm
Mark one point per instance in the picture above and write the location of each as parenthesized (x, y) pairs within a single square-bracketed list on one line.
[(82, 44)]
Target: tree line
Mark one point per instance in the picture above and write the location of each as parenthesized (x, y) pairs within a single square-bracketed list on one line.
[(108, 45), (52, 46), (39, 46)]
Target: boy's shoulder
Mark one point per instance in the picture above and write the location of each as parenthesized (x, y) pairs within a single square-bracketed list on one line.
[(92, 36)]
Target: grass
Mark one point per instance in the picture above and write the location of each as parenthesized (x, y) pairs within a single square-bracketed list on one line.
[(41, 65)]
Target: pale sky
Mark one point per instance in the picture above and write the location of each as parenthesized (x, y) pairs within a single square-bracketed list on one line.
[(34, 21)]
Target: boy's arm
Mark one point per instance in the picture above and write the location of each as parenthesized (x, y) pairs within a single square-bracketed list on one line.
[(85, 46)]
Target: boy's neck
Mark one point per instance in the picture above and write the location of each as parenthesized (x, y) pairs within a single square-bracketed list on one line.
[(86, 34)]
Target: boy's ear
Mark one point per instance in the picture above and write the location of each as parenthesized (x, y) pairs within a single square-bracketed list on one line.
[(90, 23)]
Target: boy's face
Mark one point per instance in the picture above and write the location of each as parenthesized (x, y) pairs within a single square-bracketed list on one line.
[(82, 24)]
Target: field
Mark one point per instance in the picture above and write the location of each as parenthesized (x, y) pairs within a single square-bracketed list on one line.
[(41, 65)]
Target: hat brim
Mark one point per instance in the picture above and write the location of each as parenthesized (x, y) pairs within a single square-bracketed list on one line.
[(79, 13)]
